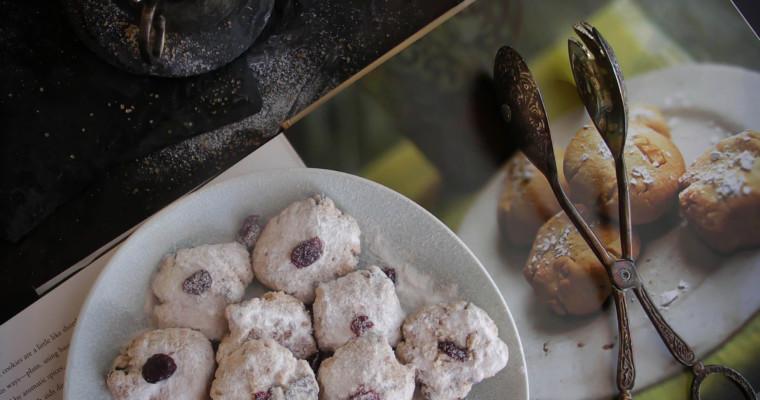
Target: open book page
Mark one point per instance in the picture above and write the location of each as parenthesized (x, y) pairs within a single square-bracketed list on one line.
[(34, 344)]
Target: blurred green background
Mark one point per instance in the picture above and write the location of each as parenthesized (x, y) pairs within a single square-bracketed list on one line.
[(425, 124)]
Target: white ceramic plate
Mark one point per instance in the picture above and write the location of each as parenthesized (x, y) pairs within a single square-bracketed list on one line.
[(395, 231), (570, 357)]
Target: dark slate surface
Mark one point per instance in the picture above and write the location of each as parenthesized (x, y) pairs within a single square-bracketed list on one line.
[(89, 151)]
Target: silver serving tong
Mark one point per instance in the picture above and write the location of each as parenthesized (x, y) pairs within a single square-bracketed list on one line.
[(600, 84)]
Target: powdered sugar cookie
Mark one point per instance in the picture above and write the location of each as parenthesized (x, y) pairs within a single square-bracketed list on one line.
[(308, 243), (276, 315), (360, 302), (720, 193), (453, 347), (564, 272), (526, 199), (654, 165), (650, 116), (194, 286), (263, 369), (165, 364), (365, 368)]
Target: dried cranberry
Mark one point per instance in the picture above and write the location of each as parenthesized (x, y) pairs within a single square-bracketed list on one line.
[(361, 324), (364, 395), (249, 233), (391, 273), (159, 367), (306, 253), (197, 283), (453, 351), (261, 396)]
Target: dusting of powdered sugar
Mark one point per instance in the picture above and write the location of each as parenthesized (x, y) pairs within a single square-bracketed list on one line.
[(414, 287), (669, 296), (726, 172), (553, 244), (643, 174)]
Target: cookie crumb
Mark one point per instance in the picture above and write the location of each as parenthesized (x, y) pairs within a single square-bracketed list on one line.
[(668, 297)]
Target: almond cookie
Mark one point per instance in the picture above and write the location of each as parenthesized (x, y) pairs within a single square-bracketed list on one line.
[(360, 302), (563, 270), (365, 368), (262, 369), (720, 193), (526, 200), (164, 364), (453, 347), (654, 165), (275, 315), (650, 116), (194, 286), (308, 243)]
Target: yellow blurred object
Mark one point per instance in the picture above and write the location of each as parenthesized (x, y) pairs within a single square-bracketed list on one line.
[(406, 170), (639, 46)]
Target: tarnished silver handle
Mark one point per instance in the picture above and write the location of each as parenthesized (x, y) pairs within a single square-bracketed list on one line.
[(703, 371), (151, 52), (675, 344), (626, 369)]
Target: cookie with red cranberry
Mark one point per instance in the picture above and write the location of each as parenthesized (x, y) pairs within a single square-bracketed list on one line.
[(263, 370), (452, 347), (275, 315), (195, 285), (361, 302), (164, 364), (308, 243), (366, 369)]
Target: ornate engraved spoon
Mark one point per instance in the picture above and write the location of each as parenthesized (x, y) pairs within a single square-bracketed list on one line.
[(603, 93)]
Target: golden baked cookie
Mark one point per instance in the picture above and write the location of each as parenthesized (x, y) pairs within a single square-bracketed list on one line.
[(650, 116), (654, 165), (526, 200), (720, 193), (564, 272)]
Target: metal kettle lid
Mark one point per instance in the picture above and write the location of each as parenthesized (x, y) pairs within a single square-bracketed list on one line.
[(198, 35)]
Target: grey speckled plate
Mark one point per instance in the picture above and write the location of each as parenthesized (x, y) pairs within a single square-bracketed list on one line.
[(391, 225)]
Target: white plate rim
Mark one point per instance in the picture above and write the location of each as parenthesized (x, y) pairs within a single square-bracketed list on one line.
[(517, 359)]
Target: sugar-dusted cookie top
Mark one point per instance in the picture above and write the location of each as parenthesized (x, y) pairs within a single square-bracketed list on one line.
[(526, 200), (195, 285), (720, 193), (275, 315), (263, 369), (360, 302), (654, 165), (164, 364), (308, 243), (565, 274), (366, 368), (452, 346)]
